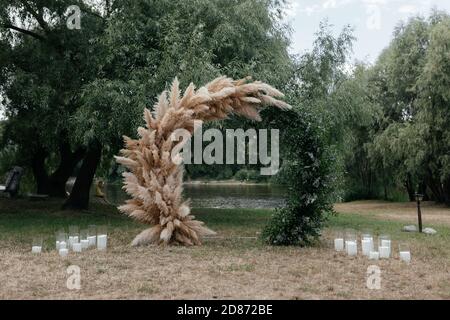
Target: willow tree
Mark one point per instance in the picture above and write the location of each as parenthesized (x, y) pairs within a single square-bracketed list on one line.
[(86, 87), (411, 86)]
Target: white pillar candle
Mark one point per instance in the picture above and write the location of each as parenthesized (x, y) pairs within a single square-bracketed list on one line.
[(92, 241), (374, 255), (405, 256), (63, 252), (352, 248), (371, 243), (367, 246), (71, 241), (339, 244), (57, 245), (76, 247), (386, 243), (84, 244), (36, 249), (62, 245), (385, 252), (101, 242)]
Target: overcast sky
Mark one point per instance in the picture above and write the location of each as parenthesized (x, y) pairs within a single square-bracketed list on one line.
[(373, 20)]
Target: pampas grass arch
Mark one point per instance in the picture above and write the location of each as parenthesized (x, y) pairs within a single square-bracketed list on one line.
[(154, 181)]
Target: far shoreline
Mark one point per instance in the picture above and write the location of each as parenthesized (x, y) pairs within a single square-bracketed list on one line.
[(225, 182)]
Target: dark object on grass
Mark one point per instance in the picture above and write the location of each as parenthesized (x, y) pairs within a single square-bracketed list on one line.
[(419, 197), (37, 197), (12, 182)]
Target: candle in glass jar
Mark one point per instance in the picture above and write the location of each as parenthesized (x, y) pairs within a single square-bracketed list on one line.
[(339, 244), (36, 246), (92, 241), (36, 249), (63, 252), (386, 243), (384, 246), (61, 240), (367, 246), (352, 248), (71, 241), (62, 245), (385, 252), (102, 241), (374, 255), (367, 236), (405, 256), (76, 247), (84, 244), (404, 252)]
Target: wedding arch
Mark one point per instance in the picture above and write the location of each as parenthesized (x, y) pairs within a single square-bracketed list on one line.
[(154, 180)]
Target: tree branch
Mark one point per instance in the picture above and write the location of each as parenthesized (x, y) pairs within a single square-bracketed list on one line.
[(36, 15), (92, 13), (24, 31)]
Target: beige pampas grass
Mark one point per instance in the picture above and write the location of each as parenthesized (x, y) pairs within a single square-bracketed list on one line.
[(154, 181)]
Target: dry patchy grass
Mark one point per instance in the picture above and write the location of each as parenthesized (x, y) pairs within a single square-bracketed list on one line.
[(398, 211), (223, 268)]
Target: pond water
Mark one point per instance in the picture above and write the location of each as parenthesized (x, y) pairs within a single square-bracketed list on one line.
[(255, 196)]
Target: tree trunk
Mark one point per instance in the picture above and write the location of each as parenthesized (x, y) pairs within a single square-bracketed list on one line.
[(447, 192), (423, 190), (55, 184), (410, 188), (436, 188), (57, 181), (79, 198), (39, 172)]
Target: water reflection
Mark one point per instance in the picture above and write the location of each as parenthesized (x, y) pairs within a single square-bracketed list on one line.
[(219, 195)]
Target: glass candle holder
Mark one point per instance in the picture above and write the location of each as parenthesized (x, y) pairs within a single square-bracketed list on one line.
[(351, 235), (74, 231), (61, 237), (102, 237), (404, 252), (74, 235), (367, 234), (367, 244), (339, 240), (384, 246), (36, 246), (351, 242), (92, 235), (84, 239)]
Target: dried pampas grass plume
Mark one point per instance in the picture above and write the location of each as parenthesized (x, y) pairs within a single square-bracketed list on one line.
[(154, 181)]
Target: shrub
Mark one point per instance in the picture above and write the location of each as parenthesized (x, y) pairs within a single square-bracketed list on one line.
[(307, 171)]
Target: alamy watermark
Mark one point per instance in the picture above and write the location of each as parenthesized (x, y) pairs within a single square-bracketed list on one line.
[(74, 280), (373, 278), (74, 19), (237, 147)]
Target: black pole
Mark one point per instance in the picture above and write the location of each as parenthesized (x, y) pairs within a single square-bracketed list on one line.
[(419, 213)]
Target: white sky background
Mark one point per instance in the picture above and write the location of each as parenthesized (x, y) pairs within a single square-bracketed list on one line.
[(373, 20)]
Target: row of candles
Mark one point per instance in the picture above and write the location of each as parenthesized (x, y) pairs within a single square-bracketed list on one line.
[(76, 240), (348, 242)]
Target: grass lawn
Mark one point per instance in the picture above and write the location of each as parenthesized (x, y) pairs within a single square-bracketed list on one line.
[(233, 265)]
